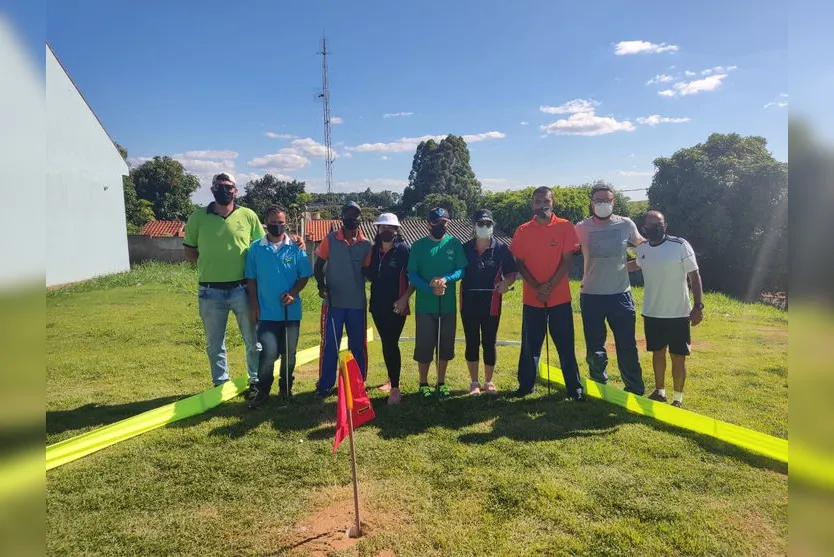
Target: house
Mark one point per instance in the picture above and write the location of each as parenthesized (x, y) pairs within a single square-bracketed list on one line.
[(164, 228), (84, 197)]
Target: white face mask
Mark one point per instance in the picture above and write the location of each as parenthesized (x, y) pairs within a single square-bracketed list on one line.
[(483, 232), (603, 210)]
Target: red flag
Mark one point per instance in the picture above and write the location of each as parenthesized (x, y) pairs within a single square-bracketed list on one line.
[(352, 397)]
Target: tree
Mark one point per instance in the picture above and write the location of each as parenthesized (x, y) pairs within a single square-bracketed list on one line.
[(455, 206), (263, 192), (728, 198), (164, 182), (512, 208), (138, 212), (442, 168)]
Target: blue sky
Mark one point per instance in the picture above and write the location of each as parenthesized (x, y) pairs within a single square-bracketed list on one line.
[(546, 92)]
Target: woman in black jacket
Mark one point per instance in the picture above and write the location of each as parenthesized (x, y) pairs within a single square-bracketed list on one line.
[(390, 292)]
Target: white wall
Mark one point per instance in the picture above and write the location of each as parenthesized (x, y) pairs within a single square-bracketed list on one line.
[(85, 214)]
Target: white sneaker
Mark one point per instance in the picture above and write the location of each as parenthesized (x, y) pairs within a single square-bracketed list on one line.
[(474, 388)]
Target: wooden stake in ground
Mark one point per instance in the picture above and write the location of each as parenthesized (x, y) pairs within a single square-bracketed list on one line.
[(356, 530)]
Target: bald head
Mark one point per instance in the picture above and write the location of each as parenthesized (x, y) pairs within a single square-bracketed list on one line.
[(653, 218)]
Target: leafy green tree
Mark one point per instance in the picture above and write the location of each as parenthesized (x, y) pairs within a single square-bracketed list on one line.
[(442, 168), (164, 182), (512, 208), (138, 212), (728, 198), (455, 206), (268, 190)]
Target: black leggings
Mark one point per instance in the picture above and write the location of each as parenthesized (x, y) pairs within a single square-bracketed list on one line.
[(389, 325), (480, 331)]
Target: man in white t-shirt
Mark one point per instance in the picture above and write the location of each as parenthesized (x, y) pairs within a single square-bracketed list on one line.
[(667, 262)]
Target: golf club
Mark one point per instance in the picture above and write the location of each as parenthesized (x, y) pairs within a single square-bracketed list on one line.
[(437, 348), (284, 356), (547, 344)]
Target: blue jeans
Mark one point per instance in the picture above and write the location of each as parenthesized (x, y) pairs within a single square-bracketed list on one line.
[(215, 305), (277, 338), (619, 311), (332, 321), (534, 322)]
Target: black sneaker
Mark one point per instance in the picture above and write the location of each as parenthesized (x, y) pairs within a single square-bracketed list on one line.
[(657, 396), (258, 399), (676, 403), (579, 397), (518, 393)]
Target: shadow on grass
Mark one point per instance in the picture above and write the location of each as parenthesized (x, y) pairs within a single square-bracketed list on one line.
[(530, 419), (92, 415)]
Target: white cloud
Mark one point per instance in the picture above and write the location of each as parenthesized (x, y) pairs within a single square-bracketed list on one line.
[(662, 78), (376, 184), (684, 88), (137, 161), (525, 123), (406, 144), (397, 114), (386, 158), (624, 48), (689, 73), (778, 103), (583, 120), (311, 148), (285, 160), (274, 135), (656, 119), (336, 120), (718, 69), (210, 154), (635, 173), (575, 106)]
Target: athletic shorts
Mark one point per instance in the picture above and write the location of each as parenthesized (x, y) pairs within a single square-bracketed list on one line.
[(672, 333), (426, 336)]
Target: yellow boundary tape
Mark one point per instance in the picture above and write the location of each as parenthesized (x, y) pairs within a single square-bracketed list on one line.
[(92, 441), (768, 445)]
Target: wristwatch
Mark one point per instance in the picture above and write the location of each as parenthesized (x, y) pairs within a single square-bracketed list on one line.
[(699, 306)]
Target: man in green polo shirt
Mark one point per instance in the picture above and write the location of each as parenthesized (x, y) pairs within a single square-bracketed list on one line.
[(217, 239), (435, 263)]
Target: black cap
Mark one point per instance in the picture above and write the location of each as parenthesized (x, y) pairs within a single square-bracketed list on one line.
[(482, 215), (438, 214), (351, 205)]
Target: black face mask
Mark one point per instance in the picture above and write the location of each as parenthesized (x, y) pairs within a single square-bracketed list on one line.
[(543, 212), (438, 230), (655, 233), (350, 223), (223, 196), (386, 236), (276, 229)]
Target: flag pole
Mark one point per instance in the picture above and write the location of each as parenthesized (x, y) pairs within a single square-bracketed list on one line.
[(355, 530)]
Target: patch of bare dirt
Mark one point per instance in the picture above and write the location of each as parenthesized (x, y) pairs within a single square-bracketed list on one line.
[(325, 529)]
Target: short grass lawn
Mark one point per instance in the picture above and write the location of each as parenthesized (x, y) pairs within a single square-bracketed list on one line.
[(468, 476)]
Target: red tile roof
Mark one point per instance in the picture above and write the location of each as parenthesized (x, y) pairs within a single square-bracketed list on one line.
[(161, 228), (316, 230)]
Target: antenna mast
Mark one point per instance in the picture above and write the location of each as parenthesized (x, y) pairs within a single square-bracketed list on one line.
[(325, 96)]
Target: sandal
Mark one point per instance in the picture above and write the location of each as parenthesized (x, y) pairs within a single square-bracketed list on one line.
[(474, 388), (489, 387)]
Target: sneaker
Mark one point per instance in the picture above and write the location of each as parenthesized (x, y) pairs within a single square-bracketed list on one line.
[(579, 397), (258, 399), (425, 391), (490, 388), (518, 393), (676, 403), (395, 396), (474, 388), (657, 396), (443, 391)]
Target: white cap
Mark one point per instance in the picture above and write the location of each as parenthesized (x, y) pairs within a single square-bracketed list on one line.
[(225, 176), (389, 219)]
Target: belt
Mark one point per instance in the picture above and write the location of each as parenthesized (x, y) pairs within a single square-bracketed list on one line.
[(224, 285)]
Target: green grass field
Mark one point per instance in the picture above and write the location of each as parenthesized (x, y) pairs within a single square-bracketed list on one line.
[(469, 476)]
